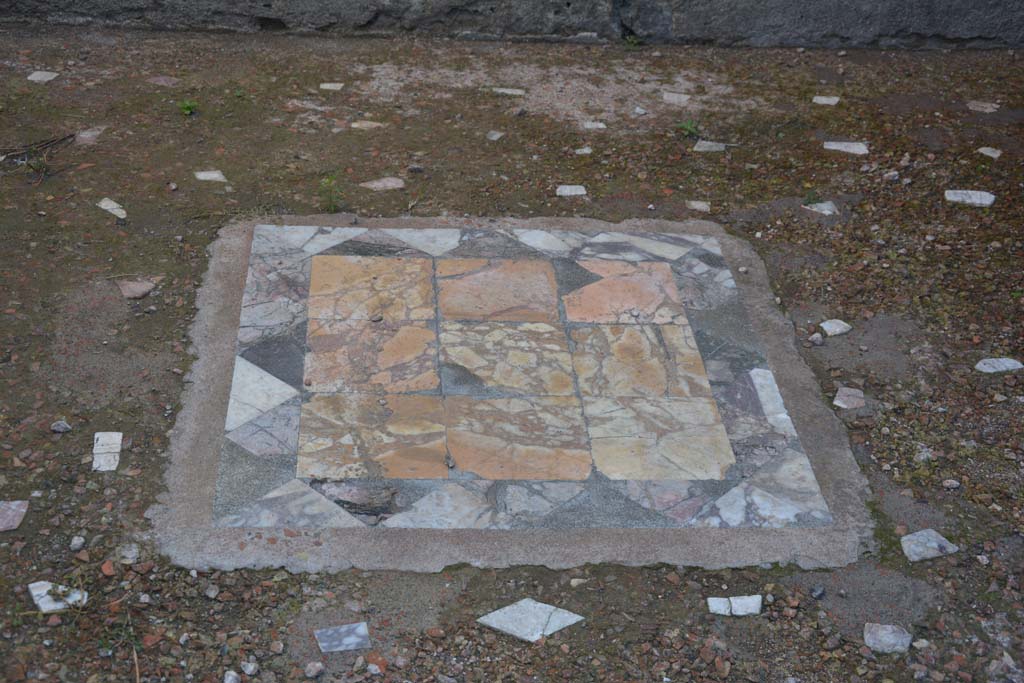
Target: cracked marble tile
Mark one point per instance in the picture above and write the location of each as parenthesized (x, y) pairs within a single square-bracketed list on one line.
[(433, 241), (555, 243), (536, 499), (253, 392), (488, 358), (626, 293), (367, 356), (293, 504), (679, 501), (367, 287), (658, 438), (451, 506), (645, 247), (345, 436), (638, 360), (508, 290), (275, 432), (518, 438)]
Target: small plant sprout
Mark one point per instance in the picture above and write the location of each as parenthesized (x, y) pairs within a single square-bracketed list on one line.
[(188, 107)]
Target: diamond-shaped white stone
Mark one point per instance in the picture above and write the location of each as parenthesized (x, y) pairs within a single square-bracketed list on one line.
[(253, 392), (529, 620)]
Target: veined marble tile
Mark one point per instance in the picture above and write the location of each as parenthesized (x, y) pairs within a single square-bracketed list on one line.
[(293, 504), (556, 243), (366, 356), (433, 241), (771, 401), (518, 438), (253, 392), (680, 501), (368, 287), (275, 432), (639, 360), (345, 436), (452, 506), (500, 289), (626, 293), (658, 438), (526, 358), (663, 249)]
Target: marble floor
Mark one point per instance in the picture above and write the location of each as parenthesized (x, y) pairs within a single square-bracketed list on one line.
[(453, 379)]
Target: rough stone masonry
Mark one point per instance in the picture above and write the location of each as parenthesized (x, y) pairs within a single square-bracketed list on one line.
[(820, 23)]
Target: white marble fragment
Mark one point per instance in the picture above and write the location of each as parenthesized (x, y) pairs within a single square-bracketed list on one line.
[(433, 241), (583, 151), (926, 544), (106, 451), (849, 398), (990, 152), (495, 135), (530, 620), (771, 401), (513, 92), (89, 135), (886, 638), (970, 197), (709, 146), (826, 100), (990, 365), (720, 606), (50, 597), (571, 191), (42, 76), (342, 638), (382, 184), (594, 125), (110, 206), (697, 205), (983, 107), (365, 125), (332, 86), (745, 605), (557, 242), (11, 513), (824, 208), (675, 97), (835, 327), (211, 176), (858, 148), (254, 391)]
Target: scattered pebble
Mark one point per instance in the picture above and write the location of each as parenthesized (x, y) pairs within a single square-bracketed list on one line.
[(211, 176), (926, 545), (835, 327), (60, 427), (990, 365), (529, 620), (858, 148), (89, 136), (514, 92), (849, 398), (249, 668), (42, 76), (495, 135), (128, 553), (135, 289), (51, 597), (708, 146), (232, 677), (886, 638), (827, 100), (332, 86), (983, 107), (675, 97), (970, 197), (594, 125), (11, 514), (77, 543), (110, 206), (816, 339), (106, 451), (583, 151), (314, 670), (990, 152), (950, 484), (571, 191), (824, 208), (639, 111), (383, 184), (697, 205), (366, 125), (355, 636)]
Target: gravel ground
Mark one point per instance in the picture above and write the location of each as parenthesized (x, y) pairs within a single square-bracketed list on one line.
[(929, 287)]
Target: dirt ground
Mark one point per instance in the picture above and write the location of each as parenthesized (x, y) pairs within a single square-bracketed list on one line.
[(930, 288)]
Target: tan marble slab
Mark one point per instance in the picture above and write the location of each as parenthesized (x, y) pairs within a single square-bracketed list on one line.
[(627, 292), (366, 356), (658, 438), (510, 290), (345, 436), (639, 360), (367, 287), (527, 358), (516, 438)]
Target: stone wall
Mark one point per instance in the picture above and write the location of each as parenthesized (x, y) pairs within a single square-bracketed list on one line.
[(825, 23)]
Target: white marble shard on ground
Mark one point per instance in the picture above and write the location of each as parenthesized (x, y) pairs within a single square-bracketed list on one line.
[(926, 544), (50, 597), (512, 92), (835, 327), (110, 206), (886, 638), (384, 184), (735, 606), (675, 97), (366, 125), (529, 620), (990, 365), (970, 197), (343, 638), (42, 76), (106, 451), (858, 148), (992, 152), (849, 398), (824, 208), (983, 107), (709, 146), (211, 176), (826, 100), (495, 135), (697, 205), (594, 125), (571, 191), (332, 86), (11, 514), (583, 151)]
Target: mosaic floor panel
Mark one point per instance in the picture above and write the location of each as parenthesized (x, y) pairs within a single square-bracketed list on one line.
[(469, 379)]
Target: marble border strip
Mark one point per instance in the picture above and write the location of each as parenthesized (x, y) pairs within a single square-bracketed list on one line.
[(183, 516)]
